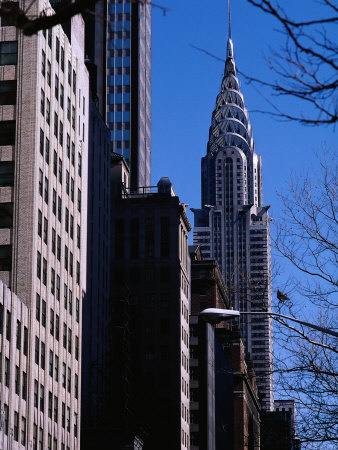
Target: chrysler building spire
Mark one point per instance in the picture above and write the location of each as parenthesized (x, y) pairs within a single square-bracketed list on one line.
[(234, 228)]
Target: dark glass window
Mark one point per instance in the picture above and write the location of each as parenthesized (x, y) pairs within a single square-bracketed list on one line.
[(8, 92), (9, 53), (7, 132), (6, 173)]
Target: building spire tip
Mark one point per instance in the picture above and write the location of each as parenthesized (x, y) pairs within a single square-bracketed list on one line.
[(229, 44)]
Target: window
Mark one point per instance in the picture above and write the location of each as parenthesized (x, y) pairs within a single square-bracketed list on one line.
[(25, 341), (64, 336), (68, 109), (57, 49), (38, 265), (43, 314), (62, 95), (45, 230), (59, 209), (76, 386), (66, 257), (79, 164), (50, 408), (37, 307), (23, 431), (37, 350), (74, 82), (67, 182), (7, 372), (69, 73), (56, 368), (39, 223), (72, 189), (52, 281), (8, 92), (71, 264), (73, 117), (16, 426), (17, 380), (42, 398), (40, 438), (43, 355), (50, 38), (51, 325), (54, 201), (69, 340), (9, 53), (53, 240), (78, 272), (42, 105), (71, 229), (57, 287), (63, 415), (68, 418), (65, 296), (51, 363), (77, 345), (46, 190), (40, 182), (58, 249), (56, 125), (7, 132), (47, 147), (18, 334), (78, 236), (67, 220), (79, 200), (8, 325), (68, 145), (49, 72), (69, 380), (61, 135), (64, 375), (75, 424), (60, 169), (62, 59), (44, 272), (70, 302), (56, 410), (24, 385), (43, 61), (77, 310)]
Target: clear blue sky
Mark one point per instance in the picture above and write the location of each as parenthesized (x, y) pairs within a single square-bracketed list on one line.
[(185, 83)]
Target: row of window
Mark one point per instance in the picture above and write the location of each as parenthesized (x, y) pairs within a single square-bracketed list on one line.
[(16, 428), (43, 188), (8, 330)]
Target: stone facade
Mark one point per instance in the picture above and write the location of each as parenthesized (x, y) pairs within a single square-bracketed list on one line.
[(45, 251)]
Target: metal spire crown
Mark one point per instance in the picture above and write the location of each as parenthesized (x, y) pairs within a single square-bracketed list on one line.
[(230, 50)]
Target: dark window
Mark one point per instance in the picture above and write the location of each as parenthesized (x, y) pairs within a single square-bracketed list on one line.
[(3, 21), (54, 202), (56, 125), (79, 200), (69, 73), (37, 307), (42, 104), (60, 169), (45, 230), (8, 92), (52, 281), (5, 257), (7, 132), (6, 173), (38, 265), (61, 134), (149, 237), (74, 82), (42, 141), (46, 190), (18, 334), (43, 314), (59, 209), (57, 49), (25, 341), (24, 385), (53, 240), (165, 235), (47, 150), (43, 63), (62, 59), (49, 71), (44, 272), (62, 95), (37, 350), (9, 53), (39, 223)]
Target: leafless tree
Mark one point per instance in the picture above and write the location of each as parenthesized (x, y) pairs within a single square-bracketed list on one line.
[(66, 9), (307, 65), (306, 361)]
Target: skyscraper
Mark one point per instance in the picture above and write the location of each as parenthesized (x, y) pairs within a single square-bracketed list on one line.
[(43, 218), (233, 225), (129, 85)]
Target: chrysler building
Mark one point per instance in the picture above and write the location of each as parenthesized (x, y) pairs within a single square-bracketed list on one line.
[(233, 226)]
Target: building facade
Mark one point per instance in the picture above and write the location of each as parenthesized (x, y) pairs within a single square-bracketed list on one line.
[(95, 323), (14, 367), (43, 192), (233, 226), (150, 269), (129, 85)]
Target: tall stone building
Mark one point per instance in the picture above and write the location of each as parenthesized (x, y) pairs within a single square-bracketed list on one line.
[(233, 226), (43, 216)]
